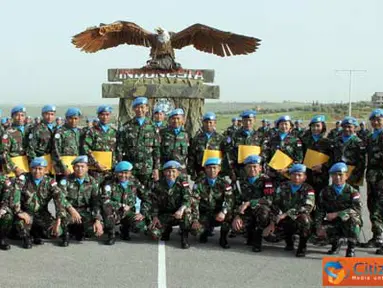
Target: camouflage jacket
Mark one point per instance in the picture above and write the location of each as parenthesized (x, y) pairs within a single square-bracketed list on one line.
[(174, 147), (66, 142), (334, 133), (298, 132), (353, 152), (199, 144), (263, 131), (346, 204), (285, 201), (140, 145), (363, 134), (114, 194), (168, 200), (230, 131), (39, 141), (163, 125), (7, 195), (374, 158), (212, 200), (83, 196), (32, 198), (96, 139)]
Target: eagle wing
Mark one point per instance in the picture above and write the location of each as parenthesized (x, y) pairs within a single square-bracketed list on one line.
[(112, 35), (211, 40)]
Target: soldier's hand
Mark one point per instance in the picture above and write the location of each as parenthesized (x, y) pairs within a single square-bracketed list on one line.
[(100, 167), (56, 227), (18, 171), (156, 175), (24, 216), (281, 217), (97, 228), (220, 217), (67, 172), (321, 232), (268, 230), (139, 217), (243, 207), (155, 223), (283, 171), (2, 212), (237, 223), (331, 216), (196, 225), (76, 217), (126, 208), (178, 214)]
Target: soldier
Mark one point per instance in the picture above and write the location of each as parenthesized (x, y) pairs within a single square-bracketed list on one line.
[(159, 118), (207, 139), (171, 204), (83, 198), (252, 208), (264, 129), (101, 138), (348, 148), (139, 143), (37, 120), (66, 142), (14, 141), (59, 122), (339, 211), (337, 131), (213, 203), (28, 121), (298, 130), (175, 139), (33, 193), (7, 210), (363, 131), (40, 137), (4, 123), (121, 205), (294, 200), (233, 128)]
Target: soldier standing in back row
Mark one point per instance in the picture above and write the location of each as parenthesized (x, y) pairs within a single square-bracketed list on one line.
[(233, 128), (335, 132), (363, 131), (159, 118)]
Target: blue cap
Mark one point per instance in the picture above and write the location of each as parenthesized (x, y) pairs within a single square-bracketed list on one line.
[(212, 161), (4, 120), (249, 114), (299, 121), (171, 165), (362, 122), (376, 113), (265, 120), (317, 119), (177, 111), (17, 109), (80, 159), (252, 159), (96, 120), (235, 119), (297, 168), (349, 121), (59, 118), (209, 116), (48, 108), (39, 161), (72, 112), (104, 108), (339, 167), (283, 119), (123, 166), (338, 122), (140, 101), (159, 109)]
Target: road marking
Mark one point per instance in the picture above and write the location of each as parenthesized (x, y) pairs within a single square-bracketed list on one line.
[(161, 265)]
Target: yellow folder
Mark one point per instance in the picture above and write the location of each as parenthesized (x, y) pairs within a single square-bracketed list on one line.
[(210, 154), (314, 158), (21, 162), (67, 161), (246, 150), (280, 161), (103, 158)]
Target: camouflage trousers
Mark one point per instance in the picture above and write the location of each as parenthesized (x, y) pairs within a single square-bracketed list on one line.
[(168, 221), (257, 218), (337, 229), (301, 225), (113, 217), (375, 206), (6, 222), (208, 222), (40, 226), (84, 228)]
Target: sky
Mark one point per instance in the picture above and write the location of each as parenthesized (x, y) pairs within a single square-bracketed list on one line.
[(303, 43)]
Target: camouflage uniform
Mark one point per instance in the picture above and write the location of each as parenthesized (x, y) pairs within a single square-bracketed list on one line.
[(363, 134), (7, 208), (334, 133), (140, 145), (263, 131), (174, 147), (40, 140), (230, 131), (298, 132), (199, 144)]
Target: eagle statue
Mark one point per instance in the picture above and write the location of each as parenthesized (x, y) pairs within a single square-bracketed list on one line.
[(163, 43)]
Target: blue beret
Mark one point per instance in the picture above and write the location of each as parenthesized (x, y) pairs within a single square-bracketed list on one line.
[(1, 112), (48, 108), (235, 119), (59, 118), (209, 116), (339, 167), (158, 109), (338, 122), (283, 119), (39, 161), (80, 159), (252, 159), (299, 121), (123, 166), (177, 111), (140, 101), (72, 112), (212, 161), (171, 165), (297, 168), (362, 122), (249, 114), (265, 120), (18, 108), (317, 119), (104, 108), (38, 118), (376, 113), (4, 120), (96, 120), (349, 121)]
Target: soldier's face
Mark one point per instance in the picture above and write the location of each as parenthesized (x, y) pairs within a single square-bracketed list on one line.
[(140, 110), (298, 177), (235, 123), (248, 123), (176, 121), (38, 172), (348, 130), (49, 117), (80, 169), (284, 126), (239, 123), (124, 176), (171, 174), (377, 122), (209, 125), (339, 178), (316, 128), (104, 117), (253, 170), (19, 118), (264, 124), (73, 121), (159, 116), (212, 171)]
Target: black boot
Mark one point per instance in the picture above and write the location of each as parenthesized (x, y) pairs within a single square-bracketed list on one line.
[(223, 240), (373, 242), (257, 240), (302, 247), (210, 232), (350, 252), (166, 234), (289, 242), (111, 238), (79, 234), (65, 239), (4, 245), (203, 237), (335, 247), (27, 242), (38, 241), (185, 239), (125, 233)]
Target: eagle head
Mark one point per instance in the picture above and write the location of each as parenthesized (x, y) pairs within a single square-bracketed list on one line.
[(162, 35)]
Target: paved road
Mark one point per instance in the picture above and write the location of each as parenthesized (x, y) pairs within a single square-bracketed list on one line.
[(142, 263)]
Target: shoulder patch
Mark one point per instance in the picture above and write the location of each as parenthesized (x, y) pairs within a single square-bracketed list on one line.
[(22, 177), (57, 136), (53, 182), (63, 182), (30, 136), (228, 139), (107, 188), (195, 186), (310, 193), (7, 182), (228, 187), (5, 136), (185, 184)]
